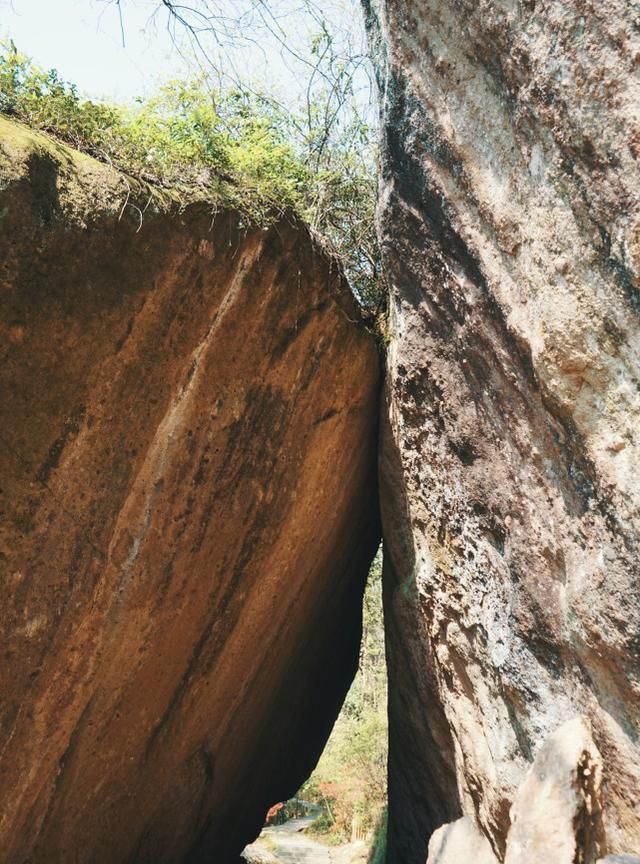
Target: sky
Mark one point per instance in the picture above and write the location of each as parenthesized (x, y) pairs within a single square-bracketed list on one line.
[(83, 40)]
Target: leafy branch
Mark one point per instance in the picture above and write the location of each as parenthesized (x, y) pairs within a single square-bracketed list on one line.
[(315, 155)]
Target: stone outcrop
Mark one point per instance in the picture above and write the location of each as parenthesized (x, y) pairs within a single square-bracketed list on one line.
[(189, 508), (557, 814), (460, 841), (510, 456)]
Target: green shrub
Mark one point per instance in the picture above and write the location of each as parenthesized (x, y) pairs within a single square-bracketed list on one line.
[(238, 146), (379, 848)]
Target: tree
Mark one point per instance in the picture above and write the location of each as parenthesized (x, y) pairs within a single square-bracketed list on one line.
[(350, 780), (327, 107)]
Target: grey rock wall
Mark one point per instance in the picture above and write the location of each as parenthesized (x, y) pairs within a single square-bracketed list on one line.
[(510, 456)]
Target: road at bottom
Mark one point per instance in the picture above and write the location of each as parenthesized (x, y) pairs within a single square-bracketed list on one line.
[(291, 846)]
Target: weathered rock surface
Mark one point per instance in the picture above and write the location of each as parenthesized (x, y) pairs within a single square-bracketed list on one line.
[(187, 439), (510, 459), (620, 859), (557, 814), (460, 841)]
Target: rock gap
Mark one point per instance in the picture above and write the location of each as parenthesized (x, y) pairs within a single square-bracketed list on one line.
[(164, 394)]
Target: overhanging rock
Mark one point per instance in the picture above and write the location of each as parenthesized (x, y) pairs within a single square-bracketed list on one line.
[(189, 508)]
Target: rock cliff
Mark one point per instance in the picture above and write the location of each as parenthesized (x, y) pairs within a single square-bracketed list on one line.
[(510, 224), (189, 507)]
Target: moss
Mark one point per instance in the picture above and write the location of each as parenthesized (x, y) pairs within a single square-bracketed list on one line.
[(20, 145), (240, 151), (83, 187)]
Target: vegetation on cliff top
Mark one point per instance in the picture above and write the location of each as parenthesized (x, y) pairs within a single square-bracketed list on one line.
[(237, 147)]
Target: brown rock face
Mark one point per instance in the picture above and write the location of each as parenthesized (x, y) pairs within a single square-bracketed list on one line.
[(189, 508), (510, 458)]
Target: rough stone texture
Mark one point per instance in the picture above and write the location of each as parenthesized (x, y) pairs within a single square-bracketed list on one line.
[(510, 458), (620, 859), (187, 443), (557, 814), (460, 841)]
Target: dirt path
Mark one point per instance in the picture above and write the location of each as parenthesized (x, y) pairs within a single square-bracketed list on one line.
[(290, 846)]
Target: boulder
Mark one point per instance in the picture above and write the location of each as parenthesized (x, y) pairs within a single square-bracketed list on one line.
[(460, 841), (557, 814), (189, 508)]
